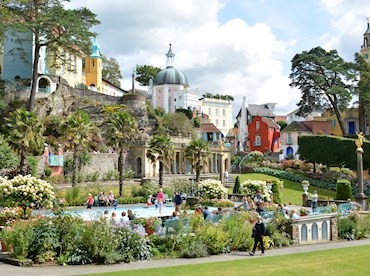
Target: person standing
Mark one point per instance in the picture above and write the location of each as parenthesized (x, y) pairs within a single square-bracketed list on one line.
[(258, 233), (226, 175), (90, 201), (315, 197), (160, 199)]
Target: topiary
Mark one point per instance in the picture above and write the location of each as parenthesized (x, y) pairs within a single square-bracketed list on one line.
[(344, 190), (236, 186), (276, 183)]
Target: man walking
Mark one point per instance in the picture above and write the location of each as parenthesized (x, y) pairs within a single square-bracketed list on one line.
[(258, 233)]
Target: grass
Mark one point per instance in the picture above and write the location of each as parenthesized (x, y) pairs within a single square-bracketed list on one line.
[(293, 191), (342, 261)]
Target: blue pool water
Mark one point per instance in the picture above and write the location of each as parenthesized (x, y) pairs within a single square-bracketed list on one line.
[(141, 212)]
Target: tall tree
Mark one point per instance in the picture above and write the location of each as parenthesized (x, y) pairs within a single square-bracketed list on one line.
[(324, 79), (198, 152), (362, 89), (161, 149), (78, 132), (23, 132), (111, 71), (60, 30), (145, 72), (122, 131)]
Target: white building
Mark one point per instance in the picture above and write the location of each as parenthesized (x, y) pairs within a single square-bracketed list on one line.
[(186, 99)]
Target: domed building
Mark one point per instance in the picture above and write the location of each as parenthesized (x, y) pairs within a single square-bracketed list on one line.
[(170, 88)]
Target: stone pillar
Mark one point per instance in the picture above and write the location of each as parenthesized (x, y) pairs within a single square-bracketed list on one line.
[(361, 198), (295, 234), (304, 200), (334, 228), (222, 177)]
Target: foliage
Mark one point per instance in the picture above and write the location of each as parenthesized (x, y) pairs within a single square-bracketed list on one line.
[(111, 71), (192, 246), (146, 72), (78, 132), (346, 228), (211, 188), (344, 190), (26, 191), (255, 156), (122, 131), (236, 189), (276, 190), (183, 186), (161, 150), (23, 132), (217, 203), (33, 163), (177, 124), (251, 187), (8, 157), (282, 124), (197, 152), (187, 112), (216, 240), (324, 79), (218, 96), (196, 122), (240, 232), (51, 26)]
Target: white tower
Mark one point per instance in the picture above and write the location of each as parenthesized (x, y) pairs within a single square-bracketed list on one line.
[(243, 131)]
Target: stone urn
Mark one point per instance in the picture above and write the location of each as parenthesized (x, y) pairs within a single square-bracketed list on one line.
[(192, 201)]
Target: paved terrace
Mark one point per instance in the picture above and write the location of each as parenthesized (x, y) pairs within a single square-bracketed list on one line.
[(6, 269)]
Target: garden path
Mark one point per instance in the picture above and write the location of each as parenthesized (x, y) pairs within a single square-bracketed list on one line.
[(6, 269)]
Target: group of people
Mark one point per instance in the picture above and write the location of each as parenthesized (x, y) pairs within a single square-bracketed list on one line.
[(114, 220), (102, 200)]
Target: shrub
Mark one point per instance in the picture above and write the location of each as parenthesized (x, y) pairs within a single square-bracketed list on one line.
[(346, 228), (216, 240), (217, 203), (240, 232), (47, 173), (183, 186), (344, 190), (191, 246), (276, 192), (211, 188), (251, 187), (255, 156), (8, 157), (236, 189), (33, 163), (128, 173), (108, 175)]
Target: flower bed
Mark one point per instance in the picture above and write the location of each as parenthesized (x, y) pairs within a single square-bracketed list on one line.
[(211, 188), (251, 187)]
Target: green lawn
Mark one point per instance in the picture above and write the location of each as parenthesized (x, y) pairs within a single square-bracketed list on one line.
[(293, 191), (343, 261)]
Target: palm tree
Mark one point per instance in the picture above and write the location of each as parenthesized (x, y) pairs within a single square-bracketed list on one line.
[(161, 150), (197, 151), (24, 133), (122, 131), (78, 131)]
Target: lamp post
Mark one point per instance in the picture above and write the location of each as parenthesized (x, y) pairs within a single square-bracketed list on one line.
[(361, 198)]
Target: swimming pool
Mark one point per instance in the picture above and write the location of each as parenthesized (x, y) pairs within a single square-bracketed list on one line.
[(141, 212)]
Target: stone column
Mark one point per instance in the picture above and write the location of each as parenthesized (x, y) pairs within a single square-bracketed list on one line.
[(222, 178), (334, 228), (361, 198)]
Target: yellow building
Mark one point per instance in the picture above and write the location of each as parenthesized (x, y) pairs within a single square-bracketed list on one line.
[(350, 120)]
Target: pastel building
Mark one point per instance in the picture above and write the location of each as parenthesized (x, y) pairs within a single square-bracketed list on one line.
[(264, 135), (77, 70)]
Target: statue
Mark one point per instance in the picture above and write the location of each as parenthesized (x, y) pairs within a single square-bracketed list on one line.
[(221, 145), (359, 141)]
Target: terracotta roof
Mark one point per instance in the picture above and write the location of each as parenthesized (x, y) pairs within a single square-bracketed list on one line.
[(270, 123), (296, 126), (209, 128)]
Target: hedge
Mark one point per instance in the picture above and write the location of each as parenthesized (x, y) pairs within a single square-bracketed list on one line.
[(344, 190)]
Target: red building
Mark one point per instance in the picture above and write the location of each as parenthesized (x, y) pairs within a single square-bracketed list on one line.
[(264, 135)]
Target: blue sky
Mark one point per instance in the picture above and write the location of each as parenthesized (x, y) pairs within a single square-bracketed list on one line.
[(236, 47)]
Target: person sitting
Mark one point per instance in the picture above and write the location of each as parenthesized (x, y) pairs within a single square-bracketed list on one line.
[(113, 219), (198, 211), (111, 200), (105, 217), (102, 199), (245, 204), (260, 208), (130, 214), (175, 215), (149, 201), (90, 201), (124, 217), (258, 198), (219, 211), (207, 213)]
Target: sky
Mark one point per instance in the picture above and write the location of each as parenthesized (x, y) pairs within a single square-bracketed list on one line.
[(235, 47)]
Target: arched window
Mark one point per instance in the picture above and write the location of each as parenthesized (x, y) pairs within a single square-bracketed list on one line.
[(257, 125), (315, 232), (324, 231), (304, 233), (257, 141)]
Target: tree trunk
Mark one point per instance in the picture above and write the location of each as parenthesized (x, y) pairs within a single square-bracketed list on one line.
[(22, 164), (337, 114), (31, 102), (160, 174), (361, 113), (75, 166), (121, 171), (197, 171)]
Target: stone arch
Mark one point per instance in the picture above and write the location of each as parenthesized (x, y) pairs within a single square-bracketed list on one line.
[(44, 84), (304, 233), (138, 167), (315, 232), (324, 231)]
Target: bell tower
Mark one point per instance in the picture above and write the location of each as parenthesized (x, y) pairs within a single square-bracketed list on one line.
[(94, 67), (365, 48)]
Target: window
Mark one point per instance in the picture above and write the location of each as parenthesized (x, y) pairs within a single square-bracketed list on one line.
[(333, 123), (216, 111), (223, 123), (209, 111), (223, 112), (289, 139), (257, 141), (180, 97), (257, 125), (216, 122)]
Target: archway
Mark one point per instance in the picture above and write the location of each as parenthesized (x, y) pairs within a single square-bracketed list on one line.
[(289, 151), (44, 85), (226, 164), (138, 167), (315, 232), (324, 231), (304, 233)]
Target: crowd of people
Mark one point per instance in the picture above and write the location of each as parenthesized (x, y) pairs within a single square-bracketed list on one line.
[(114, 220), (101, 200)]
